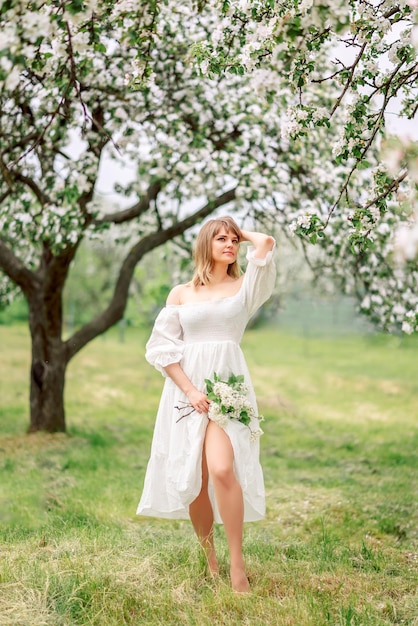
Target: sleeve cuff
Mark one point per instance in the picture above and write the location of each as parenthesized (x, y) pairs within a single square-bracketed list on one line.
[(161, 361)]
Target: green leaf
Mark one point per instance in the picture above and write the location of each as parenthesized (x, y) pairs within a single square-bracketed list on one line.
[(100, 47)]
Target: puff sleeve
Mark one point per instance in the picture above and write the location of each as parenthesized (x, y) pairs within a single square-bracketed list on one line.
[(165, 344), (259, 280)]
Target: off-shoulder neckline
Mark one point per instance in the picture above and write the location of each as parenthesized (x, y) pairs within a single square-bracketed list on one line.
[(213, 300), (250, 258)]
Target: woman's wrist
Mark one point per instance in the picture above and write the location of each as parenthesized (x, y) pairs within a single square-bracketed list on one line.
[(256, 238), (245, 235)]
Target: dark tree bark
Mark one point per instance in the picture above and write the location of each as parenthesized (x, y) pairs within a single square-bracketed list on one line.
[(47, 379), (48, 361)]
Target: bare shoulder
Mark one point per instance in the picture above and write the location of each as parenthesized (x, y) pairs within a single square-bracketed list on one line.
[(176, 295)]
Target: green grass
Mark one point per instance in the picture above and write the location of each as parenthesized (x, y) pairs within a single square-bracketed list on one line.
[(338, 547)]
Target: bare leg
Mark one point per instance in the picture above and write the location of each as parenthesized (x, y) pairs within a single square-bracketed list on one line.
[(228, 492), (201, 514)]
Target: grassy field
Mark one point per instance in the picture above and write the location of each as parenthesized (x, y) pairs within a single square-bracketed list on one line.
[(339, 545)]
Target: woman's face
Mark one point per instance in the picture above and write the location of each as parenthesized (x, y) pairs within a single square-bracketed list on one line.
[(225, 247)]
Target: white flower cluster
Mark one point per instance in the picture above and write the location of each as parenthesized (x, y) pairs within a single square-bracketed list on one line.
[(229, 402)]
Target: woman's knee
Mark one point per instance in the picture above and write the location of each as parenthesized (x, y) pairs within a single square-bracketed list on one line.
[(223, 475), (219, 455)]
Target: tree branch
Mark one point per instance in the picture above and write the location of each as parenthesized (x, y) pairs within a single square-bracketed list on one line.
[(115, 311), (5, 195), (22, 142), (134, 211), (393, 186), (16, 270), (349, 81), (42, 134), (40, 195)]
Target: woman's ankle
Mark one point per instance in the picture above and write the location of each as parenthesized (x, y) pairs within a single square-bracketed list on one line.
[(239, 580)]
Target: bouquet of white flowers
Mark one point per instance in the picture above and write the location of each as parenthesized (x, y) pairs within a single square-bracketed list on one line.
[(228, 401)]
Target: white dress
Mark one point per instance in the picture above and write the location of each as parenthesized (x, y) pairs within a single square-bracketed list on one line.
[(204, 338)]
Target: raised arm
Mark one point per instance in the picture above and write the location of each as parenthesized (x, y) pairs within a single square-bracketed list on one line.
[(261, 242)]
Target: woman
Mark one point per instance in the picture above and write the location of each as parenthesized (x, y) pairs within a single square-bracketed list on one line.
[(197, 469)]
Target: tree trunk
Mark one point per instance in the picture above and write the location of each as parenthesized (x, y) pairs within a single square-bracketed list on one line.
[(47, 379), (49, 360)]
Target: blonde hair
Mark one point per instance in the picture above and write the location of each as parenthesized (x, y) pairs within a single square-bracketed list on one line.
[(203, 250)]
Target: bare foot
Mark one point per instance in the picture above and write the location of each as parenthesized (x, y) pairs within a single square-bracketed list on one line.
[(239, 580), (213, 568), (212, 563)]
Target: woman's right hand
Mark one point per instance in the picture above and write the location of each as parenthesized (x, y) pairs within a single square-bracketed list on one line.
[(199, 401)]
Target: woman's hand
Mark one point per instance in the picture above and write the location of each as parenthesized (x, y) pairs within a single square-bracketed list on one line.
[(199, 401)]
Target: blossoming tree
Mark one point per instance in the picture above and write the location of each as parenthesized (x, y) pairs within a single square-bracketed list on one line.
[(363, 204), (262, 128)]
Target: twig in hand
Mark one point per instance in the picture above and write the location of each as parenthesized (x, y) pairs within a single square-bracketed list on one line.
[(182, 408)]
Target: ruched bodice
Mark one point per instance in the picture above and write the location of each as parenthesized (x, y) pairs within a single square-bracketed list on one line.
[(204, 338), (217, 320)]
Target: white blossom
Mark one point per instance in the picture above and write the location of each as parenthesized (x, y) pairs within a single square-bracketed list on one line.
[(304, 220), (406, 242), (13, 79), (407, 328)]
